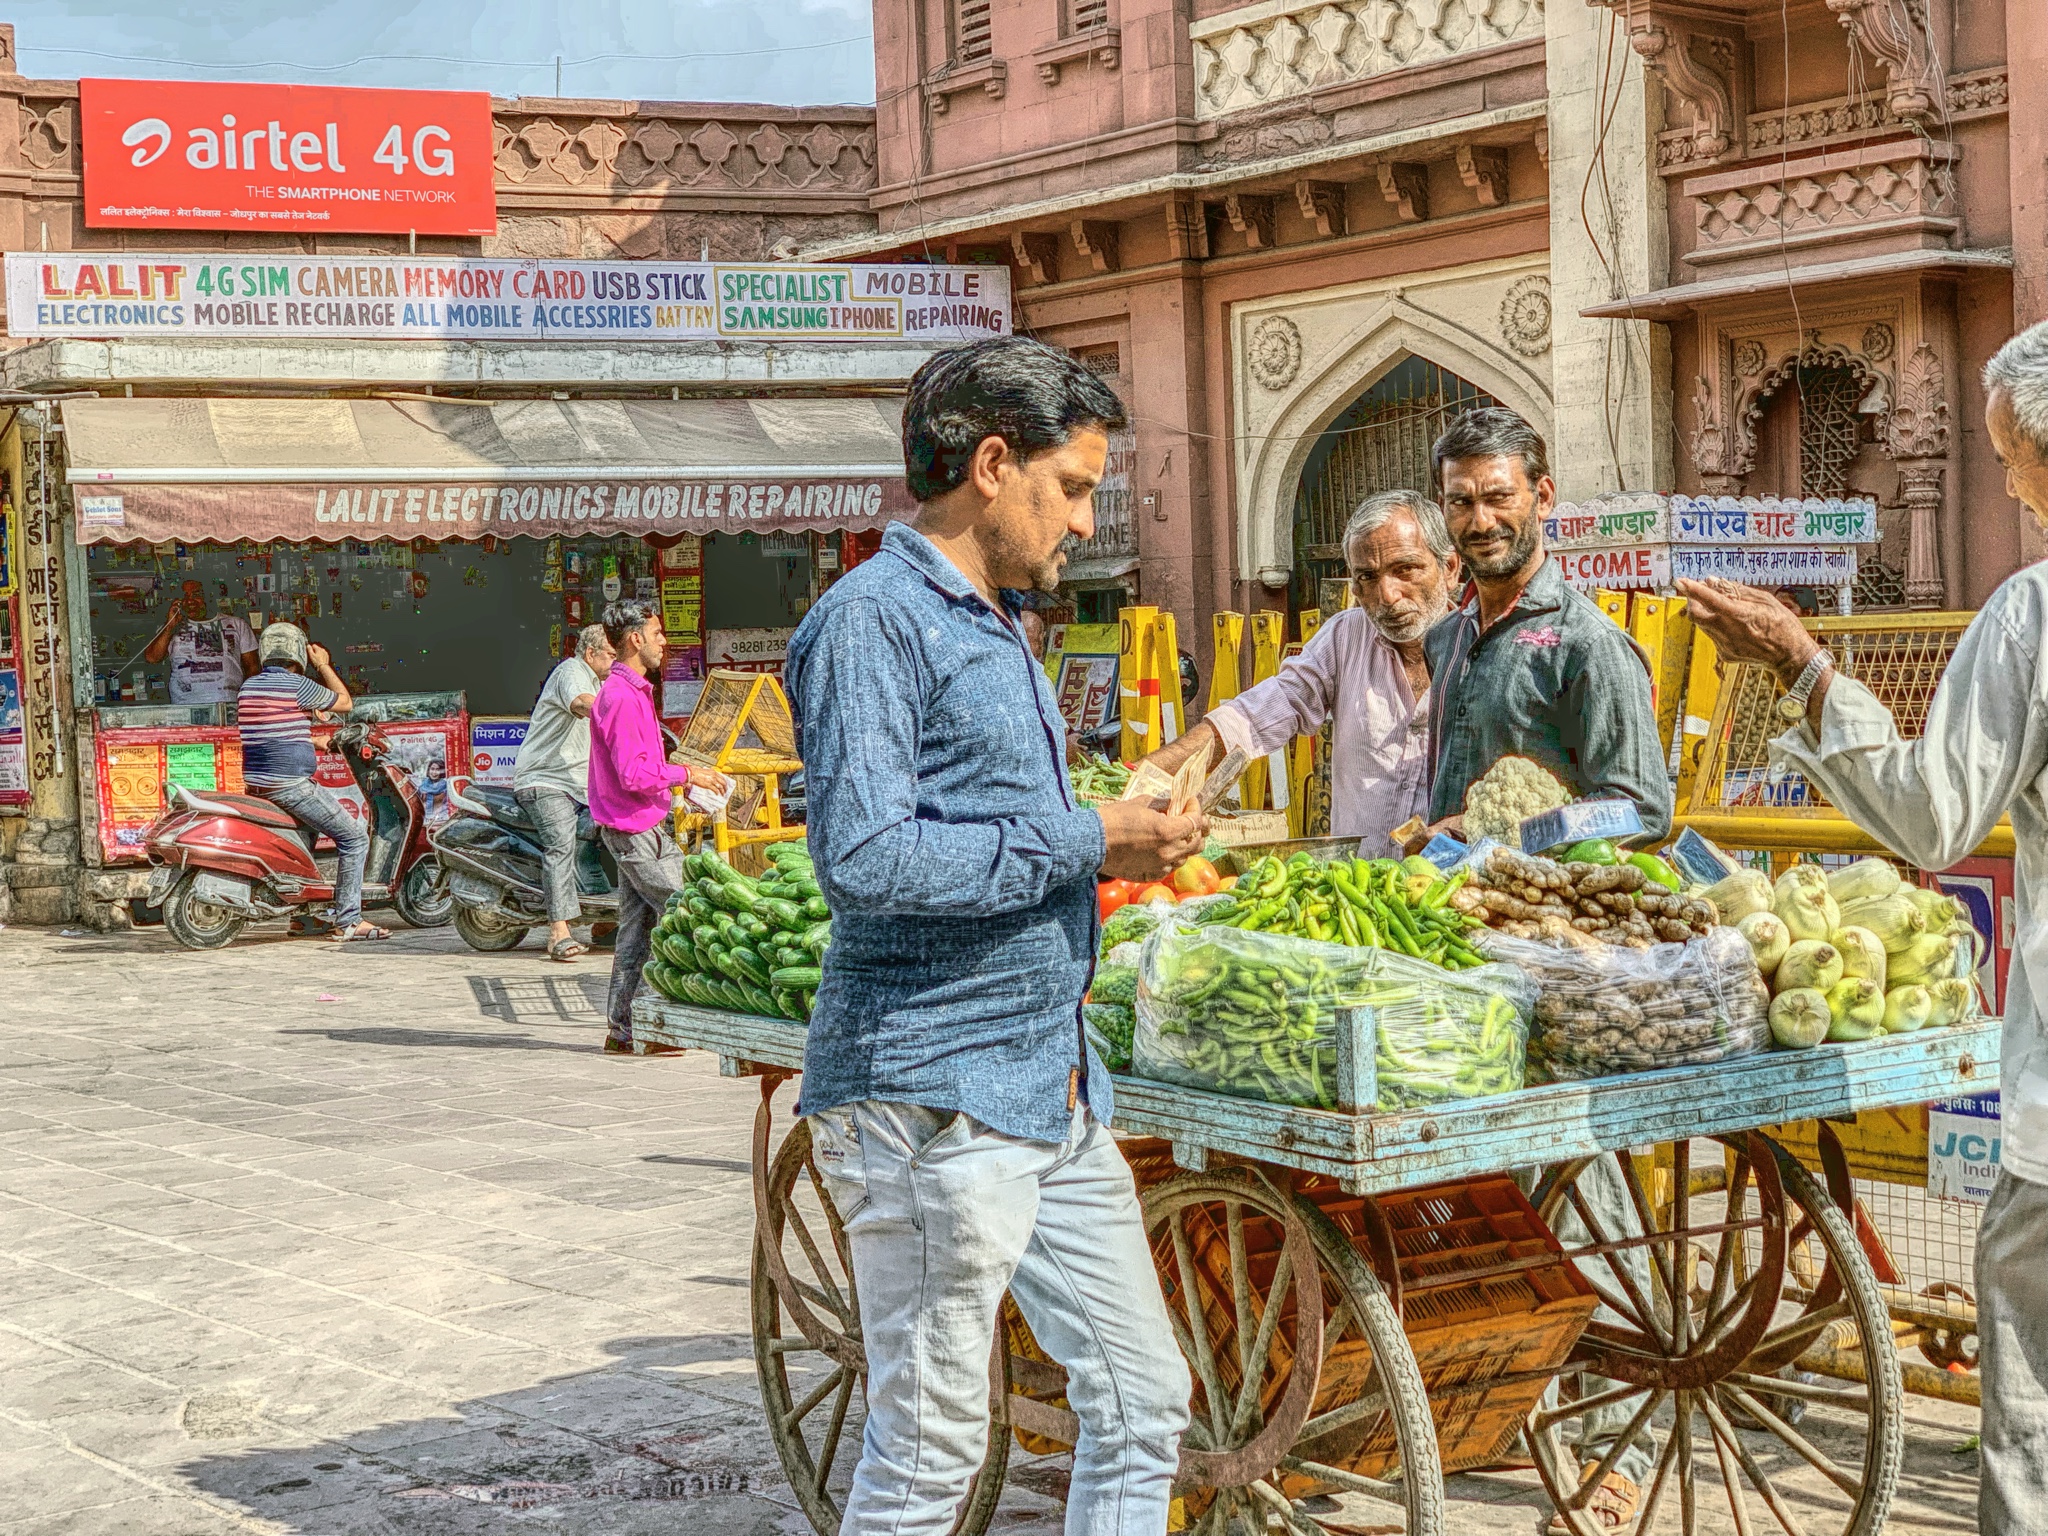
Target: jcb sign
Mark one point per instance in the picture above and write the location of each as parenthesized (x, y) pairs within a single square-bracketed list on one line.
[(171, 154)]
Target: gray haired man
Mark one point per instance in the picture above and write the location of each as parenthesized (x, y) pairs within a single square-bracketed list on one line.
[(1983, 754), (1363, 671), (551, 778)]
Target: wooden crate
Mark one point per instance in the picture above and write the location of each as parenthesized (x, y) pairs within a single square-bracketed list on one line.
[(1465, 1333)]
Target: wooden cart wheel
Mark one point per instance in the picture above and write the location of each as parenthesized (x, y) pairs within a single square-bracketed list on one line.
[(1244, 1293), (1781, 1452), (807, 1344), (1370, 1392)]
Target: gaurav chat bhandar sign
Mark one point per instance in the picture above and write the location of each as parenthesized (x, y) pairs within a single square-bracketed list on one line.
[(450, 298), (184, 154)]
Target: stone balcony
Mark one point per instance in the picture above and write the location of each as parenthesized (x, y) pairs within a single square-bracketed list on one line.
[(1263, 54), (1869, 200)]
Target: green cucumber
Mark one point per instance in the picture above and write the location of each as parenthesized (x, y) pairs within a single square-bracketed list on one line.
[(799, 978), (750, 964)]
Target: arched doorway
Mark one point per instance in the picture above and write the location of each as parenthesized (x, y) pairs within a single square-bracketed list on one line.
[(1380, 442)]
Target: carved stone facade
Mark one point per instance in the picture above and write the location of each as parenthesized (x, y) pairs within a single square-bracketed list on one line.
[(1897, 344), (1259, 54), (575, 178), (1902, 192), (1300, 359)]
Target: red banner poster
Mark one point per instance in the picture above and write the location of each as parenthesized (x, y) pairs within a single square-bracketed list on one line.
[(182, 154)]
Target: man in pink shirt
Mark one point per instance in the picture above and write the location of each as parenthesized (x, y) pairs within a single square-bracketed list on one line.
[(1363, 671), (632, 795)]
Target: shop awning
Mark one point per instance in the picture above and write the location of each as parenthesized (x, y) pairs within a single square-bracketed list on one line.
[(223, 470)]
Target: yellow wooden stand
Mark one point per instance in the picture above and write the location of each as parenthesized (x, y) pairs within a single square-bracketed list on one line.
[(743, 729), (1268, 630)]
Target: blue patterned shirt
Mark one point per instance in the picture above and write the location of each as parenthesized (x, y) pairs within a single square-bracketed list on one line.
[(960, 872)]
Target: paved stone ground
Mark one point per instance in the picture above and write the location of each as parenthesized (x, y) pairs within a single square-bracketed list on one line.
[(374, 1240)]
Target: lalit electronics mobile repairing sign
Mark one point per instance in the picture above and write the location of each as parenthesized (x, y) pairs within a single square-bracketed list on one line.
[(176, 154)]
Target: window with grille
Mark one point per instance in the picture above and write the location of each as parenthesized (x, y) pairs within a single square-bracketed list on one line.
[(971, 37), (1380, 443), (1083, 14), (1830, 428)]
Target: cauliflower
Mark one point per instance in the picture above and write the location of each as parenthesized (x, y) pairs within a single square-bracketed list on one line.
[(1513, 790)]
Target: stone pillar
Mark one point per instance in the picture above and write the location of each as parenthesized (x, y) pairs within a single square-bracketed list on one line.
[(1611, 379), (1170, 493), (1920, 485)]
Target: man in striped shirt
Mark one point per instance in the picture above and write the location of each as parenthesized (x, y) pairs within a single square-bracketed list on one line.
[(274, 710)]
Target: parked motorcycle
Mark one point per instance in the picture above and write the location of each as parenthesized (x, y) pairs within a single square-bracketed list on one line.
[(491, 857), (225, 860)]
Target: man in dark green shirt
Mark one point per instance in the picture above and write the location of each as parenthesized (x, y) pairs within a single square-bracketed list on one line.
[(1529, 667)]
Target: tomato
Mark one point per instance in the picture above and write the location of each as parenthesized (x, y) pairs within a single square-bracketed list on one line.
[(1196, 877), (1158, 890), (1111, 894)]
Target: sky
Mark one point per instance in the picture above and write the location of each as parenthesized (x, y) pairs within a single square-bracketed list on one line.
[(790, 52)]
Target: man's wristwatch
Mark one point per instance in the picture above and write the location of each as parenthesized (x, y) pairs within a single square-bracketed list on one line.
[(1792, 707)]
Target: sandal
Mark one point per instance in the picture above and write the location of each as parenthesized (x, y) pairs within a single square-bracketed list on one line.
[(567, 951), (1612, 1506), (362, 933)]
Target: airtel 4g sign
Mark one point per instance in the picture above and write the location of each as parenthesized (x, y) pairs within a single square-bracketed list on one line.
[(177, 154)]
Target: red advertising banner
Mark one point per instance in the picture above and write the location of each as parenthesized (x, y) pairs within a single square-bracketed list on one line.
[(182, 154)]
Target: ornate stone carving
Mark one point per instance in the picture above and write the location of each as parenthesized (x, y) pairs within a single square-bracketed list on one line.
[(1896, 36), (1905, 186), (1879, 341), (1405, 184), (1750, 357), (1096, 240), (48, 136), (1709, 438), (1254, 55), (1543, 144), (1101, 44), (1525, 315), (1977, 93), (1485, 171), (990, 76), (1251, 217), (1038, 256), (1322, 204), (1273, 352), (627, 154), (1696, 70), (1754, 397), (1187, 229), (1918, 428)]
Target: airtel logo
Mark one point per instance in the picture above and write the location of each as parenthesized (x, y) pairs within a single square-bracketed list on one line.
[(153, 134)]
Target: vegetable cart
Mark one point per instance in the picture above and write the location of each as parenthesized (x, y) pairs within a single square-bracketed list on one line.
[(1365, 1301)]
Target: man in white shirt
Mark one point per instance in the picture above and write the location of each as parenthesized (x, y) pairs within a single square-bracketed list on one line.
[(551, 779), (1363, 671), (209, 656), (1984, 754)]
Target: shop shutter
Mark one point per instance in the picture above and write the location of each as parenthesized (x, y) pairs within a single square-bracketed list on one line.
[(971, 37), (1084, 14)]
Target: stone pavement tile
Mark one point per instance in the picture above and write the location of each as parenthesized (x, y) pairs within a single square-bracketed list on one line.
[(147, 1515), (81, 1311), (56, 1390), (445, 1291), (295, 1486), (615, 1405), (174, 1346), (554, 1319), (442, 1155)]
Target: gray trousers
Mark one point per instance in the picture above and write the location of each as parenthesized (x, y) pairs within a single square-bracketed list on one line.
[(315, 804), (2012, 1336), (650, 868), (554, 819), (1606, 1195)]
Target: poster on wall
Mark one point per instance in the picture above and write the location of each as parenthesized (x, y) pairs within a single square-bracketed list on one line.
[(1081, 660), (13, 740), (494, 744)]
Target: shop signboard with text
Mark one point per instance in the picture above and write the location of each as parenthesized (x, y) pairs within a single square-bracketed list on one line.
[(321, 159), (431, 509), (462, 299)]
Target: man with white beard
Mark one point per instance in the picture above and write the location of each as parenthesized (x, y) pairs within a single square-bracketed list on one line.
[(1363, 671)]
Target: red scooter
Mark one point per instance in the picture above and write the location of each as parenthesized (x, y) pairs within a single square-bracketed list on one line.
[(224, 860)]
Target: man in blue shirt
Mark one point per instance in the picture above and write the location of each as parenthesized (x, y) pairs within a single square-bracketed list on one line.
[(955, 1109)]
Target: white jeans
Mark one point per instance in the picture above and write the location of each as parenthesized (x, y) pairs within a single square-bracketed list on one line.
[(944, 1214)]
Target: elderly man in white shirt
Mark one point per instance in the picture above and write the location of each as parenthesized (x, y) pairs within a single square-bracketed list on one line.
[(1363, 671), (1984, 754)]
